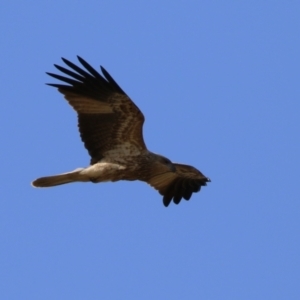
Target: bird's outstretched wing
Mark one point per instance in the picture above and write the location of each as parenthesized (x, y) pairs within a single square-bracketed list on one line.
[(107, 118), (182, 183)]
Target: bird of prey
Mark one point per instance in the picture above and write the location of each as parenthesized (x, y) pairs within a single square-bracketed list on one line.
[(111, 128)]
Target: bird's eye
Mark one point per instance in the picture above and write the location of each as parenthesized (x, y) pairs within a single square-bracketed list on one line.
[(167, 161)]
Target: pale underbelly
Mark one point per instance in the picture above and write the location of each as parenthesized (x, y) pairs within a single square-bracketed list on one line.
[(103, 171)]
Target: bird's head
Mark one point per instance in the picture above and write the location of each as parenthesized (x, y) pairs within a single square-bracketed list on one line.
[(164, 163)]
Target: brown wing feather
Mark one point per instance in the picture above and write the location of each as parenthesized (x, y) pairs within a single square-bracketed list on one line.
[(107, 117), (182, 183)]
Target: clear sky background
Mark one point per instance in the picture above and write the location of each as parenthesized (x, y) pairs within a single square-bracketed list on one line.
[(218, 83)]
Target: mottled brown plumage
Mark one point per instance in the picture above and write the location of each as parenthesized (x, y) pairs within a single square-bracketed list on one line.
[(111, 128)]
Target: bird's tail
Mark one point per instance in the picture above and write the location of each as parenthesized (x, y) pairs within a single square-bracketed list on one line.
[(60, 179)]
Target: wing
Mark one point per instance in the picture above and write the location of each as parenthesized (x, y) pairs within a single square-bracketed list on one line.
[(182, 183), (107, 117)]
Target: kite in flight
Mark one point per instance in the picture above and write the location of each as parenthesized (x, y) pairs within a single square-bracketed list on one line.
[(111, 128)]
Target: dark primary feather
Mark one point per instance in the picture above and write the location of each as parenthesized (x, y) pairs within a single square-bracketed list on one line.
[(106, 115)]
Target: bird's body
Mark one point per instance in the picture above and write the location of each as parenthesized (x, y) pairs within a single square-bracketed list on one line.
[(110, 126)]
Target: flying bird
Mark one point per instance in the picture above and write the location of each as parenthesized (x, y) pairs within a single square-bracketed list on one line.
[(111, 128)]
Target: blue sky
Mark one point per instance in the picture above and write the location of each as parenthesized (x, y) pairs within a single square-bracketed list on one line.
[(218, 83)]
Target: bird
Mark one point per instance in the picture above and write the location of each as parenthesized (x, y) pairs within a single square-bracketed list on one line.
[(111, 128)]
